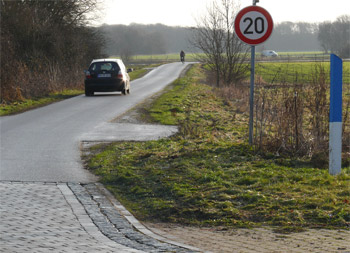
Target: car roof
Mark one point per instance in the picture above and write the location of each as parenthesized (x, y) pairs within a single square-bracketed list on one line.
[(107, 60)]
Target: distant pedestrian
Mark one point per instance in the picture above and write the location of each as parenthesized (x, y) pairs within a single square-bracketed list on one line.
[(182, 56)]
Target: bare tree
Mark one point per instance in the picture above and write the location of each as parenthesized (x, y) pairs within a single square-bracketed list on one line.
[(126, 54), (224, 53), (335, 36)]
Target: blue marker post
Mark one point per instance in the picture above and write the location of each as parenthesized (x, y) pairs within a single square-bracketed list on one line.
[(335, 115)]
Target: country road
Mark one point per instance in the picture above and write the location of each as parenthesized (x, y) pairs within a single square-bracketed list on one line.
[(43, 145)]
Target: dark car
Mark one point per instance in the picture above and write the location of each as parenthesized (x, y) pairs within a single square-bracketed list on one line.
[(106, 75)]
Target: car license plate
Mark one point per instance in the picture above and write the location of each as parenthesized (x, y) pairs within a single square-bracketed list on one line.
[(103, 75)]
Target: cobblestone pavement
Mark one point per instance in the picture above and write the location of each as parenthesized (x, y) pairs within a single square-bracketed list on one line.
[(50, 217)]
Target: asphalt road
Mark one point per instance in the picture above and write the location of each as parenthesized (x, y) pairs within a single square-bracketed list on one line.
[(43, 145)]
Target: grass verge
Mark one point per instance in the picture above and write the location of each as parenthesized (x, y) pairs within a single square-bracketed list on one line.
[(208, 175), (140, 70), (28, 104)]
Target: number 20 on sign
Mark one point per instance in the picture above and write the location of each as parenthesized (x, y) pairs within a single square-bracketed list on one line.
[(253, 25)]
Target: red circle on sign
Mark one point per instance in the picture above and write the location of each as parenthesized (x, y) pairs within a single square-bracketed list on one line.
[(262, 11)]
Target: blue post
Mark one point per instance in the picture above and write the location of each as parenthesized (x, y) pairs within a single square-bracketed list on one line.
[(335, 115)]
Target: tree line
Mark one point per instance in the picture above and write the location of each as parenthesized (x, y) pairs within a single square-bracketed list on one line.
[(143, 39), (334, 36), (287, 36), (45, 46)]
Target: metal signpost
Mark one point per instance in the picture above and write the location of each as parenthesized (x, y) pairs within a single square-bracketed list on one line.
[(253, 26)]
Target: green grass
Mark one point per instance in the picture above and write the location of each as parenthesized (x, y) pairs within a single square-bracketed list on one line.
[(140, 70), (137, 72), (28, 104), (208, 175), (296, 72)]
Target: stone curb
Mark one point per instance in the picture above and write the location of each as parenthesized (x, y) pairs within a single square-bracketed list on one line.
[(115, 222), (85, 220), (137, 225)]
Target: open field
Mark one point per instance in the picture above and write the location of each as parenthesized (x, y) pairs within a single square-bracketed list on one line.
[(297, 72), (165, 57), (192, 57), (207, 174)]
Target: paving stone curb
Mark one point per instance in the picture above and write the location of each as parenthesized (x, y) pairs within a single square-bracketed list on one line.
[(119, 225)]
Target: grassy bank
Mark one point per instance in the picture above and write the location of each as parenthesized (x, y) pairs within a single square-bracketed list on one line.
[(28, 104), (208, 175)]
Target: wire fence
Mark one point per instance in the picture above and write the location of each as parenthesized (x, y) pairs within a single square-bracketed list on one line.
[(291, 109)]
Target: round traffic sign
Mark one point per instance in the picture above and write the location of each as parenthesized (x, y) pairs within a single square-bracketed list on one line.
[(253, 25)]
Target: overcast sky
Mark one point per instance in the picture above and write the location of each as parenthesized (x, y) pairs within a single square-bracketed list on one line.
[(184, 12)]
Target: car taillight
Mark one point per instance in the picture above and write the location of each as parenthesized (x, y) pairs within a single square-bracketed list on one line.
[(87, 74), (120, 75)]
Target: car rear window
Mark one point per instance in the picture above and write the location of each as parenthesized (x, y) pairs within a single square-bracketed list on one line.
[(104, 66)]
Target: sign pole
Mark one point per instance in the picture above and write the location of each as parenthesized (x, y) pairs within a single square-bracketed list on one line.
[(335, 116), (251, 98)]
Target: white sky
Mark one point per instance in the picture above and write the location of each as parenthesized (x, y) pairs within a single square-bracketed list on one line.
[(184, 12)]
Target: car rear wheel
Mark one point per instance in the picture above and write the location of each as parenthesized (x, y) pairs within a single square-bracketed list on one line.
[(124, 91), (89, 93)]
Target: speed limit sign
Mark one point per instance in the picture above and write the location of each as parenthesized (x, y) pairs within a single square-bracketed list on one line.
[(253, 25)]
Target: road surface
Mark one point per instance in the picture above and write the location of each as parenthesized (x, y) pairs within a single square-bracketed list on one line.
[(43, 145)]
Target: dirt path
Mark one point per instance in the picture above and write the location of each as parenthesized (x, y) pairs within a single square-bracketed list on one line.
[(255, 240)]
